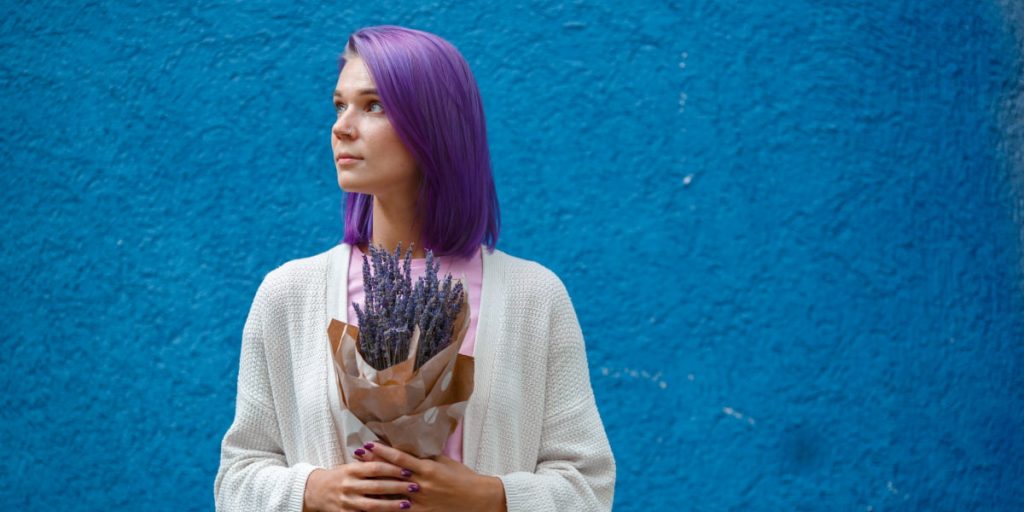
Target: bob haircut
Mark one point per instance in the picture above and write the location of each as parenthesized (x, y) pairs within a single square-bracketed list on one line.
[(432, 100)]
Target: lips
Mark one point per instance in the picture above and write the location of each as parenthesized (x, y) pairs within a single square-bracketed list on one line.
[(343, 156)]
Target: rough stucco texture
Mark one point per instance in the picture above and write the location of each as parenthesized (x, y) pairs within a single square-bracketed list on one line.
[(791, 231)]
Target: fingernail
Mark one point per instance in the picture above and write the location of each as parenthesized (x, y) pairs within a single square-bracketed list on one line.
[(368, 446), (360, 452), (405, 504), (406, 473), (414, 488)]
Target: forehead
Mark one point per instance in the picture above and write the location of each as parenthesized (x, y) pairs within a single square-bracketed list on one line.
[(354, 75)]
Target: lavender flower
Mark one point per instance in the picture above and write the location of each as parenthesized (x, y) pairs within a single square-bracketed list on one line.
[(393, 307)]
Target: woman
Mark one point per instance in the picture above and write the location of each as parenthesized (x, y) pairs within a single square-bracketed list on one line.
[(411, 155)]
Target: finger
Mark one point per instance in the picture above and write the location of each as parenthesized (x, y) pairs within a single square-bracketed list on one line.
[(384, 488), (363, 455), (395, 456), (377, 505), (376, 469)]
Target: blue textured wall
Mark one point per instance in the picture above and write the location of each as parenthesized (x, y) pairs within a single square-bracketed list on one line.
[(795, 250)]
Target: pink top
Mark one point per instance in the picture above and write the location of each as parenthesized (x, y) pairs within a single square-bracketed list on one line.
[(470, 271)]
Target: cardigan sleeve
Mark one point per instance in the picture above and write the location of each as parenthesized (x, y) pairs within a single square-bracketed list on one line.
[(254, 474), (576, 468)]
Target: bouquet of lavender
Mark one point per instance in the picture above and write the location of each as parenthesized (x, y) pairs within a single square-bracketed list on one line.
[(393, 308), (399, 372)]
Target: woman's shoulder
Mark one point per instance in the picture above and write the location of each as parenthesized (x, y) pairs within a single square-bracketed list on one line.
[(533, 278), (297, 276)]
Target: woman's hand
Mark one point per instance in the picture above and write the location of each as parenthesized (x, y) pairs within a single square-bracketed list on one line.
[(444, 485), (354, 487)]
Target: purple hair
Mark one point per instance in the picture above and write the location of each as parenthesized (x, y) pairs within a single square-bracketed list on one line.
[(432, 100)]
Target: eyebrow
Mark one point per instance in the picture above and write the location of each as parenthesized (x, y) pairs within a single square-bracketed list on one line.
[(360, 92)]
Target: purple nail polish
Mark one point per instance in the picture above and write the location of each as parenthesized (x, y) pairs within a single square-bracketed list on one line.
[(360, 452), (404, 505), (414, 488), (368, 446), (406, 473)]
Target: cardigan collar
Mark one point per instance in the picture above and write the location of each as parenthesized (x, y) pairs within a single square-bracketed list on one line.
[(488, 318)]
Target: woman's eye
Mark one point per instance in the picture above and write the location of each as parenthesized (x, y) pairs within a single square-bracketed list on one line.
[(338, 107)]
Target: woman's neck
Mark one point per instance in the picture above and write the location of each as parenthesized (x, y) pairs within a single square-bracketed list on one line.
[(393, 225)]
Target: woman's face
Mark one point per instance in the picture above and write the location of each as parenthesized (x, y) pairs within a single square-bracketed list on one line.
[(384, 168)]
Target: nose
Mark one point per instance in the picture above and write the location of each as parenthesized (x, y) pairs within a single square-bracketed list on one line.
[(344, 125)]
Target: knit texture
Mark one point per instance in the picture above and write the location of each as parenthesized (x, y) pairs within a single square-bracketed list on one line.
[(532, 420)]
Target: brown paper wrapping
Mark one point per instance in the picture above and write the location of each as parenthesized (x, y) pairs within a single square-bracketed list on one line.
[(414, 412)]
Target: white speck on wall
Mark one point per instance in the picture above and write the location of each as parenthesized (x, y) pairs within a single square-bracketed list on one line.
[(891, 488), (682, 95), (689, 377), (634, 373), (736, 414), (687, 180)]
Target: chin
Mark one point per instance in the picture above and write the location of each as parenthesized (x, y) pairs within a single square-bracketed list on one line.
[(346, 185)]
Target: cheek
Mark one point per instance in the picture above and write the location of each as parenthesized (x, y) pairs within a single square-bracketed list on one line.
[(388, 138), (394, 150), (397, 147)]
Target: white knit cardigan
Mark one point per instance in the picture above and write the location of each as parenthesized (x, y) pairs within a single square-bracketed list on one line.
[(531, 420)]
